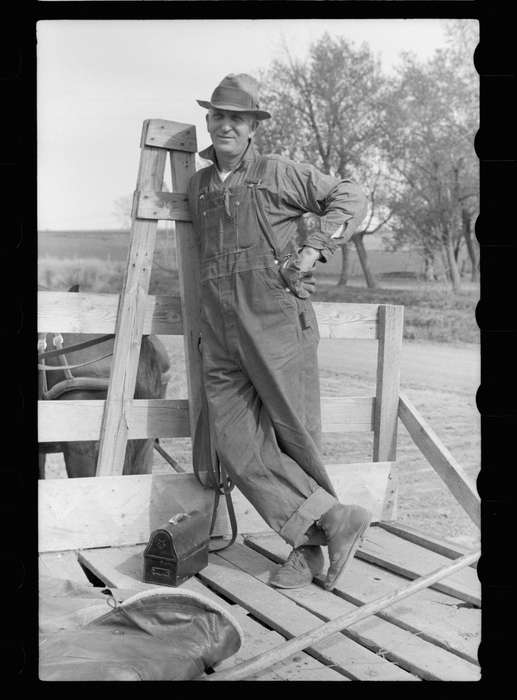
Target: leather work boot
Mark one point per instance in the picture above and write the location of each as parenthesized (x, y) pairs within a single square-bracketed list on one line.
[(344, 527), (300, 568)]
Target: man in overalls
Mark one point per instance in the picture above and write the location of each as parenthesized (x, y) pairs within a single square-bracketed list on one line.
[(259, 334)]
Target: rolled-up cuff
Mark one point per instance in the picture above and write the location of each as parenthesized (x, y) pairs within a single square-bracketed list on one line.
[(310, 510)]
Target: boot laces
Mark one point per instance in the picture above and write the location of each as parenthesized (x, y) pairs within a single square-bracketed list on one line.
[(296, 560)]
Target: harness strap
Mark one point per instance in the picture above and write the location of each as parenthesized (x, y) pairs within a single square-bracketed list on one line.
[(63, 368), (77, 346), (253, 180), (75, 384), (231, 512)]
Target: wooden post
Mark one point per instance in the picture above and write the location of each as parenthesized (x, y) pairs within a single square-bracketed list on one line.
[(391, 323)]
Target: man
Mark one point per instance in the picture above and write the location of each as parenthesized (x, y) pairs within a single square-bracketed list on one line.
[(259, 333)]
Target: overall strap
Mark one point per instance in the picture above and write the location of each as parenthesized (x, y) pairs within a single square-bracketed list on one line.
[(256, 172), (253, 180), (203, 180)]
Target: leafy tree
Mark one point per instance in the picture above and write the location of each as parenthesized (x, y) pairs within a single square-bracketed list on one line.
[(328, 110), (122, 211), (431, 119)]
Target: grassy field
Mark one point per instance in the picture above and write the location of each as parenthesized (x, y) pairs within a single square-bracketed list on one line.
[(96, 261)]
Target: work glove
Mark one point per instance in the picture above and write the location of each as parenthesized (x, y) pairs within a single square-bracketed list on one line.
[(298, 279)]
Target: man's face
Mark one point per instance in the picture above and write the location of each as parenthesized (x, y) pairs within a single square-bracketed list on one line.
[(230, 131)]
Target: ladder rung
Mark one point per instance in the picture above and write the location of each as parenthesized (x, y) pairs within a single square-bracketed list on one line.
[(162, 206)]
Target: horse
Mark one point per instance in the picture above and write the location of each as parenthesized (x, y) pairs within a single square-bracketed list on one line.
[(84, 362)]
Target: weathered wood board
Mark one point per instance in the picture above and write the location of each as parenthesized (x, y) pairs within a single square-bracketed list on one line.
[(432, 615), (70, 420), (411, 561), (290, 620), (123, 510), (408, 650), (63, 565)]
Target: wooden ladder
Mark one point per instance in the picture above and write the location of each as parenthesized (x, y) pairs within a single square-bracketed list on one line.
[(159, 139)]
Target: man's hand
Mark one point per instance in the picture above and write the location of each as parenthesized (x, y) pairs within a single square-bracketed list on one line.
[(296, 272)]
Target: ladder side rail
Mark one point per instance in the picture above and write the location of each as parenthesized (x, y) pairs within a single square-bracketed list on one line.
[(182, 169), (130, 319)]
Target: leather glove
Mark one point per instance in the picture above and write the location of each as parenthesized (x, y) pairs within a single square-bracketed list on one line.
[(299, 280)]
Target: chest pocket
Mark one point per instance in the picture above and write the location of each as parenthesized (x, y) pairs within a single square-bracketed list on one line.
[(212, 222), (226, 220)]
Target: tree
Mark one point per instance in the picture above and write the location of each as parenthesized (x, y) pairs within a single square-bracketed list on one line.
[(328, 111), (122, 210), (430, 126)]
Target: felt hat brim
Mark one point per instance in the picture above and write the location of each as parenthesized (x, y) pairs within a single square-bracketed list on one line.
[(257, 113)]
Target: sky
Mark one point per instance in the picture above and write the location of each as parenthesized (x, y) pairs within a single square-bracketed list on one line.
[(98, 80)]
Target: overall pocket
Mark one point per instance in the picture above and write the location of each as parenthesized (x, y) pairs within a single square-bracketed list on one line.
[(276, 288), (211, 210), (301, 309), (244, 216)]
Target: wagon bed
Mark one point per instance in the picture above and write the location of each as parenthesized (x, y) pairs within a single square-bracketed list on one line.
[(432, 635)]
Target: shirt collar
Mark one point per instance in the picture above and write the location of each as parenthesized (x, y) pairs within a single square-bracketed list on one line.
[(249, 155)]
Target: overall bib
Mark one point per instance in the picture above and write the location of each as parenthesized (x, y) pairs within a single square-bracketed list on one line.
[(259, 348)]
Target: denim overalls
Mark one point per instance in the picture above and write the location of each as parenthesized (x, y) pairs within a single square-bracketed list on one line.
[(259, 349)]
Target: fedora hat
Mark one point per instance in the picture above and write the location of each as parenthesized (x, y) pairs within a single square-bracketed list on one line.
[(236, 93)]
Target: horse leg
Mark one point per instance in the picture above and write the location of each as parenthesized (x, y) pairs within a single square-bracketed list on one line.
[(81, 458), (139, 457), (42, 458)]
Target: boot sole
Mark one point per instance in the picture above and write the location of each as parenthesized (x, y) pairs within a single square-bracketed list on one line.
[(299, 585), (351, 552)]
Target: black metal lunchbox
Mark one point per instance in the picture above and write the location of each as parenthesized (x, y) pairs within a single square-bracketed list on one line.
[(177, 550)]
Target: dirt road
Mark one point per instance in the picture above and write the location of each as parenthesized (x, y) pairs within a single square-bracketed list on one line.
[(441, 381), (433, 366)]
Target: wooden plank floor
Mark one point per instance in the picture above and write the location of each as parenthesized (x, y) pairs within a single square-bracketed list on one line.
[(432, 635)]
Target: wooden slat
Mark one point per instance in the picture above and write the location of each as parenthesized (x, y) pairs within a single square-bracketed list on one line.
[(182, 169), (63, 421), (360, 483), (415, 655), (440, 459), (431, 615), (130, 322), (391, 323), (411, 561), (123, 510), (121, 567), (337, 320), (63, 565), (290, 620), (68, 312), (115, 510), (441, 546), (66, 420), (258, 639), (161, 133), (162, 206)]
